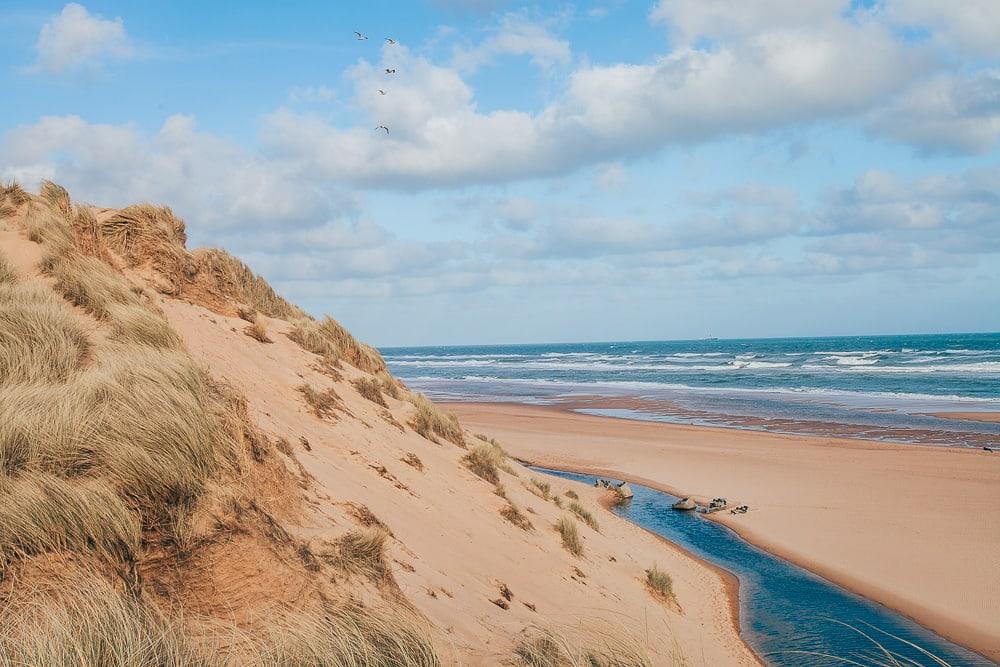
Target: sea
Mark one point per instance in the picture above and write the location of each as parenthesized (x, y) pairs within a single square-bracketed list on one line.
[(890, 388)]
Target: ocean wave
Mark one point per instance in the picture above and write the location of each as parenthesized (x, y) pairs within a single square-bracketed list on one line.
[(647, 386), (758, 364)]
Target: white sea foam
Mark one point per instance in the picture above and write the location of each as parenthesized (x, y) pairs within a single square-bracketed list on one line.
[(648, 387)]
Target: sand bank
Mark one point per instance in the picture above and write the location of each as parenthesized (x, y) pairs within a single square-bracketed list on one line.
[(913, 527), (970, 416)]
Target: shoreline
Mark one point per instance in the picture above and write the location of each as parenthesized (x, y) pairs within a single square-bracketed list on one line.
[(984, 416), (593, 461)]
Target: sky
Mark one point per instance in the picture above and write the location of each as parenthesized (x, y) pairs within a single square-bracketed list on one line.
[(552, 172)]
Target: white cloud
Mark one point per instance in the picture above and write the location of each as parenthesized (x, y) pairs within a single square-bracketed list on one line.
[(519, 36), (75, 39), (945, 114), (438, 137), (971, 26), (208, 179), (691, 20)]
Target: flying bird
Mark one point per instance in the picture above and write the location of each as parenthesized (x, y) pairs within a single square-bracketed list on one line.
[(383, 127), (381, 92), (390, 71), (390, 40), (359, 36)]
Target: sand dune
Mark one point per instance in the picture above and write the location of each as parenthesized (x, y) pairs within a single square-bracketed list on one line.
[(914, 527), (264, 489)]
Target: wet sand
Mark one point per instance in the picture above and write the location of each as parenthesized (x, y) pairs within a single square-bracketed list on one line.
[(916, 528), (970, 416)]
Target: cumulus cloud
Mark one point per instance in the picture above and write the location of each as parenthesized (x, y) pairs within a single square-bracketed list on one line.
[(947, 113), (972, 27), (516, 35), (207, 178), (439, 138), (75, 39)]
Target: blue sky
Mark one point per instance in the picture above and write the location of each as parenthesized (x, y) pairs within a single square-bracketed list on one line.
[(599, 170)]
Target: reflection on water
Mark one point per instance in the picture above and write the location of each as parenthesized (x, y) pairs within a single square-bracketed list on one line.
[(789, 615)]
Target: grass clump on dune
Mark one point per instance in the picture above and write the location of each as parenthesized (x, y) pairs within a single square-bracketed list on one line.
[(660, 583), (576, 508), (139, 325), (87, 621), (238, 281), (91, 284), (370, 389), (328, 338), (607, 645), (360, 552), (347, 634), (40, 341), (513, 513), (388, 385), (41, 513), (571, 541), (486, 460), (258, 333), (429, 421), (540, 488), (322, 403), (8, 276)]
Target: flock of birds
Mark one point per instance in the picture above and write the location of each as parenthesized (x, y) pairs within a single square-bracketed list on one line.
[(361, 37)]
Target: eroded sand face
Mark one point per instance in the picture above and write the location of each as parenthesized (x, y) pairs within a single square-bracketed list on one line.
[(916, 528)]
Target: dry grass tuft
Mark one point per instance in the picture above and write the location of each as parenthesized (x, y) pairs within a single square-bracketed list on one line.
[(238, 282), (8, 276), (328, 338), (86, 621), (413, 460), (41, 513), (347, 635), (540, 488), (323, 403), (247, 314), (429, 421), (360, 552), (56, 197), (486, 460), (389, 385), (14, 193), (591, 645), (40, 341), (659, 583), (512, 513), (571, 541), (140, 326), (576, 508), (91, 284), (369, 388), (258, 333), (46, 227), (363, 357), (572, 494)]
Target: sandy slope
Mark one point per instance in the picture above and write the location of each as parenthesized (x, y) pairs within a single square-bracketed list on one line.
[(452, 550), (917, 528)]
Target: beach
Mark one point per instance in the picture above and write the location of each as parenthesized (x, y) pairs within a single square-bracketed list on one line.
[(912, 527)]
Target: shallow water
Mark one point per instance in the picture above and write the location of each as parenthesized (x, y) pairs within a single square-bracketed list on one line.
[(784, 609)]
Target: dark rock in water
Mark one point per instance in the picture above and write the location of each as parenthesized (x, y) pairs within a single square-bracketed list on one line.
[(684, 504)]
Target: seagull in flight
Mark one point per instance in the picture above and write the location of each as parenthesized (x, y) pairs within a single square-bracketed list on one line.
[(390, 71), (381, 92), (390, 40), (360, 37), (383, 127)]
